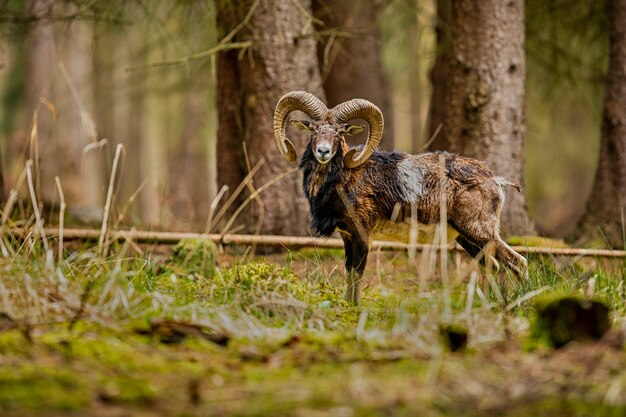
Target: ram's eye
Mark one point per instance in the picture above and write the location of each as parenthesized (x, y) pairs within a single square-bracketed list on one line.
[(302, 125), (350, 130)]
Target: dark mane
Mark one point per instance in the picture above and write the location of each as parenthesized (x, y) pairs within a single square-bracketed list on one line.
[(326, 207), (375, 191)]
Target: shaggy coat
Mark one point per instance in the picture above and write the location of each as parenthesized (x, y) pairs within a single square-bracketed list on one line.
[(389, 186), (361, 192)]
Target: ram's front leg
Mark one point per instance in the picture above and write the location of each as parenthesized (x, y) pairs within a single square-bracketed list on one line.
[(356, 250)]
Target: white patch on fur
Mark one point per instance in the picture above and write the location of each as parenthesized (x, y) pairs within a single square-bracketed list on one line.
[(502, 182), (411, 180)]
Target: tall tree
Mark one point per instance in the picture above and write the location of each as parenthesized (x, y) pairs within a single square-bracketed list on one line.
[(281, 58), (605, 215), (350, 56), (485, 94)]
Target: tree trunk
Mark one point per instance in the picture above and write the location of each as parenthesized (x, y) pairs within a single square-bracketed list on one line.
[(439, 78), (605, 215), (80, 174), (281, 59), (350, 57), (40, 69), (485, 100)]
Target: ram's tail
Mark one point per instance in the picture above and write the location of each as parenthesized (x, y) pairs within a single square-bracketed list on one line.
[(504, 181)]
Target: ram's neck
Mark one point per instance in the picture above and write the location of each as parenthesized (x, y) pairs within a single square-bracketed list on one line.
[(320, 178)]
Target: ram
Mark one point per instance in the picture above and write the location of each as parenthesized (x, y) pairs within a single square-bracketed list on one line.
[(361, 191)]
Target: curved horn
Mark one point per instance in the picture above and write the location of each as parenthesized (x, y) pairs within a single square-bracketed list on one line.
[(296, 100), (366, 110)]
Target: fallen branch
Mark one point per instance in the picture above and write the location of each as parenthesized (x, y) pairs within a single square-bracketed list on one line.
[(288, 241)]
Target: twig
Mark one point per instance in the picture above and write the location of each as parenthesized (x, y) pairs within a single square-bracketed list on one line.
[(212, 207), (61, 217), (306, 14), (293, 241), (107, 205), (130, 201), (8, 207), (259, 200), (34, 137), (237, 191), (192, 57), (38, 219), (432, 138)]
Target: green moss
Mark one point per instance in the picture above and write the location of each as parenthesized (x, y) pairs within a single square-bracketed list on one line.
[(30, 386), (192, 257), (296, 346), (536, 241), (266, 289), (126, 390), (319, 254), (565, 407)]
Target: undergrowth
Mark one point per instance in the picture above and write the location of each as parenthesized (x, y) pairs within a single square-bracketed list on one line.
[(273, 335)]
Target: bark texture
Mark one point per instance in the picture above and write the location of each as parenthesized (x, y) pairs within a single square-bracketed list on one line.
[(350, 57), (282, 58), (605, 214), (485, 100)]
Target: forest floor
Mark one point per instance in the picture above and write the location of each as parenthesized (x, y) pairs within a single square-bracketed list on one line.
[(139, 334)]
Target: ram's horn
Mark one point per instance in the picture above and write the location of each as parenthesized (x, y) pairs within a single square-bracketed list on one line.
[(296, 100), (361, 109)]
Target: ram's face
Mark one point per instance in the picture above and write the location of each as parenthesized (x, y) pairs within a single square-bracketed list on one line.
[(326, 137)]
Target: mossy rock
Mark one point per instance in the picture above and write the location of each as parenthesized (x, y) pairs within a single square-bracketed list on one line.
[(564, 318), (191, 257)]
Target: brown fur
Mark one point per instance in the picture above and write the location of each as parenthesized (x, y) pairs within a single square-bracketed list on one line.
[(356, 201)]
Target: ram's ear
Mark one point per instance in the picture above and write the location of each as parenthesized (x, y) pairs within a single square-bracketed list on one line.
[(350, 130), (302, 125)]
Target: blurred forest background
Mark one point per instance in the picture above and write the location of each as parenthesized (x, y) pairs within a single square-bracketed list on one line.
[(189, 86)]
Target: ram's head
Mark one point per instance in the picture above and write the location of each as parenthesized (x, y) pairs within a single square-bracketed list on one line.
[(327, 127)]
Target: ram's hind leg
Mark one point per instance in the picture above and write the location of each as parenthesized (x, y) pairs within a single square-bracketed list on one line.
[(474, 239), (474, 250), (356, 251), (474, 242), (513, 260)]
